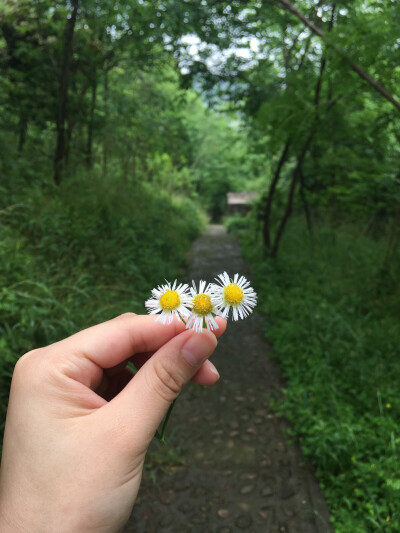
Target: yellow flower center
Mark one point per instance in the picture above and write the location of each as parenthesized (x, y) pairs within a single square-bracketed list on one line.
[(233, 294), (202, 304), (169, 301)]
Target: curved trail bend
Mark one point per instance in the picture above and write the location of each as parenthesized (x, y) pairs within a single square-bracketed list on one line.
[(239, 472)]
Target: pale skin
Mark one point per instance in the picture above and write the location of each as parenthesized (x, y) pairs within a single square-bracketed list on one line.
[(79, 421)]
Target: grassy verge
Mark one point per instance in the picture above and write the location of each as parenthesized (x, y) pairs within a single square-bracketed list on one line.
[(80, 254), (332, 314)]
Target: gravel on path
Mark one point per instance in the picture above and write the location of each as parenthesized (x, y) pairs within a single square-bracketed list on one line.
[(227, 466)]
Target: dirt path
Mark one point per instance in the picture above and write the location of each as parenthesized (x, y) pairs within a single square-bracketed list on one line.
[(239, 471)]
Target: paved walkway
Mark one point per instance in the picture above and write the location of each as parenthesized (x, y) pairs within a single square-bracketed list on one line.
[(228, 466)]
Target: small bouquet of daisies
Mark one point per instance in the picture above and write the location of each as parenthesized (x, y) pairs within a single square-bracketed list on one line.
[(198, 307)]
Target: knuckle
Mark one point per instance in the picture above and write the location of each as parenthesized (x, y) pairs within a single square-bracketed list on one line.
[(168, 384), (125, 316), (26, 361), (27, 369)]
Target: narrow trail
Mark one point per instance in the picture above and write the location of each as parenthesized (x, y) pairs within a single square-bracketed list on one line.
[(238, 472)]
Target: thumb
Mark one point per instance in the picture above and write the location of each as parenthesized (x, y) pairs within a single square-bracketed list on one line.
[(144, 402)]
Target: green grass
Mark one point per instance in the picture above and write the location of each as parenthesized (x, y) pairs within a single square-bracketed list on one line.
[(332, 314), (81, 254)]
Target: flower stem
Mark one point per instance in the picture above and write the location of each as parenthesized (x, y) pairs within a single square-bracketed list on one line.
[(161, 436), (181, 317)]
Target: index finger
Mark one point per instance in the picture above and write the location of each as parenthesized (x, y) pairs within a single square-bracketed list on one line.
[(112, 342), (140, 358)]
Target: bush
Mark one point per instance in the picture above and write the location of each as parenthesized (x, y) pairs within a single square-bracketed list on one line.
[(332, 315)]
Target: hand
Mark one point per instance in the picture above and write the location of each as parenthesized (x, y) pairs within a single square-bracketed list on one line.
[(78, 426)]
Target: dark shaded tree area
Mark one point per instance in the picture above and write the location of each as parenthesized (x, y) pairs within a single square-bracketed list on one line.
[(319, 93)]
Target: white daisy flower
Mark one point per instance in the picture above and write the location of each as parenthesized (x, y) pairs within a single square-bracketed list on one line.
[(235, 294), (203, 309), (170, 301)]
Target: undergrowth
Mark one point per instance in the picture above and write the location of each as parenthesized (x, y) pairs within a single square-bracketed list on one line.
[(76, 255), (332, 314)]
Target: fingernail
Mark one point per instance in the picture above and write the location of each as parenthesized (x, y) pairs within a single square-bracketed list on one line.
[(214, 371), (212, 368), (198, 348)]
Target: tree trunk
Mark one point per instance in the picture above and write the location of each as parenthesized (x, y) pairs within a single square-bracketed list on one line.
[(106, 111), (89, 145), (289, 205), (62, 105), (394, 237), (271, 193), (23, 127), (70, 128), (305, 203)]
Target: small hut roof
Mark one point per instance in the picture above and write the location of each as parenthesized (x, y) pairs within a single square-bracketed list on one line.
[(240, 198)]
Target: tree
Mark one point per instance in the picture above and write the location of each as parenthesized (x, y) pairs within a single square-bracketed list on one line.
[(64, 83)]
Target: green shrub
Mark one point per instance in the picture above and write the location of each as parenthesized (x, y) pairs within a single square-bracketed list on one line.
[(332, 314), (236, 224)]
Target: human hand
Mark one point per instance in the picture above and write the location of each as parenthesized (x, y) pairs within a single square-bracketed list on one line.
[(78, 426)]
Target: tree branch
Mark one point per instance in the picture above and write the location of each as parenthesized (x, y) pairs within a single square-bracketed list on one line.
[(361, 72)]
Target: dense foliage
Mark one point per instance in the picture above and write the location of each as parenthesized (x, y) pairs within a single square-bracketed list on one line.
[(332, 315)]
